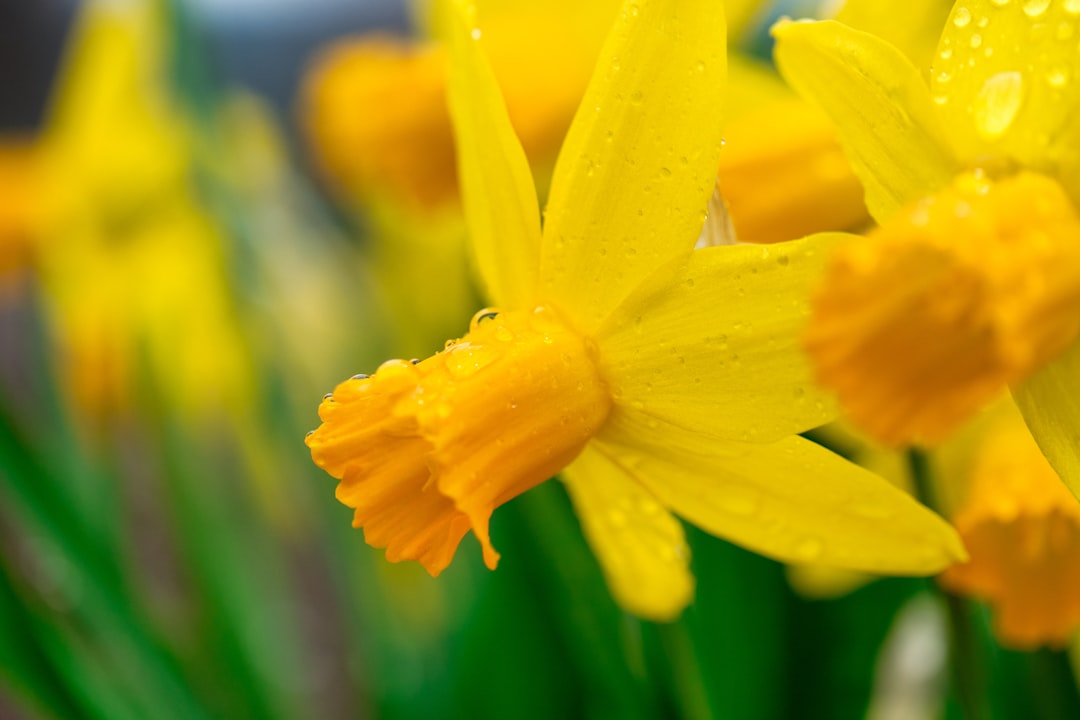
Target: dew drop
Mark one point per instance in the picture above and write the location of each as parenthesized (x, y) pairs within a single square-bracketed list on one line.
[(742, 505), (976, 40), (961, 17), (504, 335), (809, 549), (482, 317), (946, 53), (983, 22), (1058, 77), (1072, 7), (360, 376), (1000, 3), (943, 77), (997, 104), (1035, 8), (476, 34), (648, 506)]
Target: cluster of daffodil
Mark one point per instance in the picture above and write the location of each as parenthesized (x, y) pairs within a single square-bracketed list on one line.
[(663, 332)]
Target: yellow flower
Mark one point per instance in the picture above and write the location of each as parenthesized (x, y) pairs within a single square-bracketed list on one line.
[(375, 112), (133, 271), (658, 378), (20, 186), (1022, 528), (783, 173), (973, 280)]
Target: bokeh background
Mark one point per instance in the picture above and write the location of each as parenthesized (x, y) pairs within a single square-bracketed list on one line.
[(192, 251)]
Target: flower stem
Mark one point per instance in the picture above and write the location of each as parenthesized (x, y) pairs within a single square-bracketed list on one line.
[(967, 670)]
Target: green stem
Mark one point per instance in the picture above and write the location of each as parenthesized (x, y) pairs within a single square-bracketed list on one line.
[(967, 670), (686, 682)]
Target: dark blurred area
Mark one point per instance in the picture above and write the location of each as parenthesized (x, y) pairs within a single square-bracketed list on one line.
[(262, 46)]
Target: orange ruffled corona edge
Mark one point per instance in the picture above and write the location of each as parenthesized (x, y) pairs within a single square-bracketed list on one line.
[(1022, 530), (426, 451)]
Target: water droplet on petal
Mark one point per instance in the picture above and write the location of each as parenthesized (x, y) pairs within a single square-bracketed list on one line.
[(738, 503), (1058, 77), (961, 17), (1000, 3), (976, 40), (997, 104), (1072, 7), (809, 549), (1035, 8), (649, 506)]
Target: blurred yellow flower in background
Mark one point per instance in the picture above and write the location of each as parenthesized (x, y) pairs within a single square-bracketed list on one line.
[(973, 281), (783, 173), (662, 378), (20, 187), (1021, 527), (134, 272), (375, 106)]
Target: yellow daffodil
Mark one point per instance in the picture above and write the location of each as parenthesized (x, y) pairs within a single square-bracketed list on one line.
[(21, 190), (375, 111), (658, 378), (1022, 528), (973, 280), (133, 270), (783, 173)]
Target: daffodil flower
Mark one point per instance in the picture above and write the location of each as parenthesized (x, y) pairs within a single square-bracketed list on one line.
[(657, 378), (972, 281), (132, 268), (1023, 530)]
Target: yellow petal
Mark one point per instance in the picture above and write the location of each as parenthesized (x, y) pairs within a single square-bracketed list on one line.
[(639, 163), (794, 501), (712, 344), (496, 186), (1023, 530), (914, 31), (640, 545), (1005, 75), (882, 108), (815, 582), (1051, 408)]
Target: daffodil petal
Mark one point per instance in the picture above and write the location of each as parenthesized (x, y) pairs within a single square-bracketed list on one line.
[(796, 502), (914, 31), (640, 545), (1051, 408), (1006, 73), (712, 344), (497, 189), (639, 162), (881, 106)]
